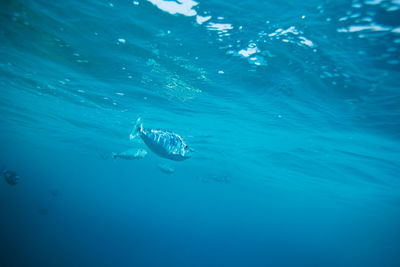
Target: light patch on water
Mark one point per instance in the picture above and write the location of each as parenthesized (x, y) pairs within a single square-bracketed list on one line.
[(293, 36), (292, 29), (200, 20), (366, 28), (306, 42), (186, 8), (370, 27), (183, 7), (396, 30), (119, 93), (251, 54), (383, 3), (121, 40), (367, 19), (392, 8), (220, 27), (279, 32), (250, 50), (257, 60), (373, 2)]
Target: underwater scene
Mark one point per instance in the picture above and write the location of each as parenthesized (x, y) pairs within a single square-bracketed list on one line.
[(200, 133)]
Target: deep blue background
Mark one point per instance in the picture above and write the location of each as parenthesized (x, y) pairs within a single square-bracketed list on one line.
[(293, 110)]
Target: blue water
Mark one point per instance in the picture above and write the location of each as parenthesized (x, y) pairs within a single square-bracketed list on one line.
[(292, 108)]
